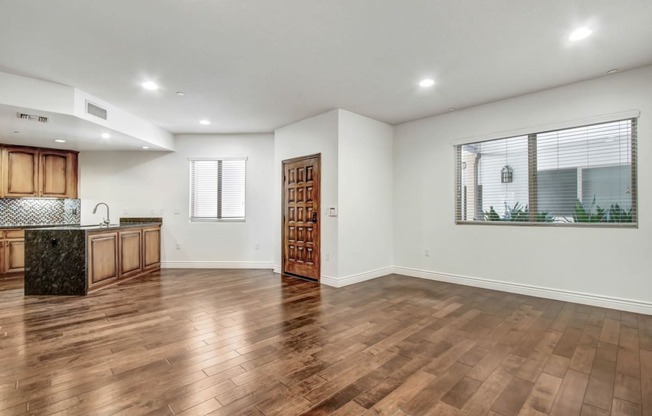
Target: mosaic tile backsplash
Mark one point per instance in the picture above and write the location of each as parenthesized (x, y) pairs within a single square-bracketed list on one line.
[(26, 211)]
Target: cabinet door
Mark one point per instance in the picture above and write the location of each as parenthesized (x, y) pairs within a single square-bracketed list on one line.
[(58, 174), (102, 259), (151, 248), (14, 255), (130, 253), (19, 172)]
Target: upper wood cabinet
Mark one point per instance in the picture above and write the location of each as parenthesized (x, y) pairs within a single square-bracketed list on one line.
[(37, 172), (58, 174), (19, 171)]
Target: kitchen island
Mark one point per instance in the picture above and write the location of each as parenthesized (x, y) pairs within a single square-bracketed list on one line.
[(76, 260)]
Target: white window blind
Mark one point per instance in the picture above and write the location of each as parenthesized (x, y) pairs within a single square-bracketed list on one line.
[(217, 189), (576, 175)]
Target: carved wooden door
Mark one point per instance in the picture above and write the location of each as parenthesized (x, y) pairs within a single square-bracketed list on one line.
[(301, 224)]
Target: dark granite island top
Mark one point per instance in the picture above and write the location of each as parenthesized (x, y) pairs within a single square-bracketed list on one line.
[(60, 261)]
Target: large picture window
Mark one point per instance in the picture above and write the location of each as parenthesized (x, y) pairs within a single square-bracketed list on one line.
[(217, 189), (579, 175)]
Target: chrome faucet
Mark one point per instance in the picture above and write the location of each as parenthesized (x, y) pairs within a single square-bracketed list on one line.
[(105, 221)]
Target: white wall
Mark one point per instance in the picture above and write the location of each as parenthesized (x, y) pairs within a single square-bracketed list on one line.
[(157, 184), (365, 194), (604, 263), (310, 136)]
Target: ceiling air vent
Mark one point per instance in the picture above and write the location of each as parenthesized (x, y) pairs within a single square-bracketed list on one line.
[(25, 116), (95, 110)]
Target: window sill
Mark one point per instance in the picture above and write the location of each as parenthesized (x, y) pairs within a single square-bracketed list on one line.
[(550, 224), (213, 220)]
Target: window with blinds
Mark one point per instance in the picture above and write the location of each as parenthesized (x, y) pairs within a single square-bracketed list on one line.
[(580, 175), (217, 189)]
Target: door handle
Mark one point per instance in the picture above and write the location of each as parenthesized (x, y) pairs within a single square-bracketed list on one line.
[(314, 218)]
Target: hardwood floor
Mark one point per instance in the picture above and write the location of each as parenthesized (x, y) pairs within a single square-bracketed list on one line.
[(229, 342)]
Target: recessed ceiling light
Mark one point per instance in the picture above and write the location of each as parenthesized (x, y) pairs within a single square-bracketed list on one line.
[(425, 83), (150, 85), (145, 147), (59, 140), (204, 122), (180, 93), (16, 132), (105, 136), (612, 71), (452, 109), (580, 33)]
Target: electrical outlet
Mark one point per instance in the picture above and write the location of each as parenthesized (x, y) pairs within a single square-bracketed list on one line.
[(257, 247), (178, 246), (426, 252)]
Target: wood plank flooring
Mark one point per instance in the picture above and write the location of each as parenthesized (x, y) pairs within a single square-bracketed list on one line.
[(248, 342)]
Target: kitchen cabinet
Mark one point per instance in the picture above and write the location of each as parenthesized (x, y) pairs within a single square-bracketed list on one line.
[(75, 260), (102, 259), (126, 252), (57, 174), (12, 251), (38, 172), (19, 171), (131, 253), (151, 248)]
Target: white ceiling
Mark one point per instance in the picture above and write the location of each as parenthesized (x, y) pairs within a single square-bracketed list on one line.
[(256, 65)]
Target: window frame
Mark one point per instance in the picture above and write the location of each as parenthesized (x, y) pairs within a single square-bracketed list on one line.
[(217, 219), (532, 133)]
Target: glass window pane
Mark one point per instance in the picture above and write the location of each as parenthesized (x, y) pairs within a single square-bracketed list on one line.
[(575, 175), (495, 177)]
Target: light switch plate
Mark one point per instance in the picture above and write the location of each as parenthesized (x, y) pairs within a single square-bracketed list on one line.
[(332, 211)]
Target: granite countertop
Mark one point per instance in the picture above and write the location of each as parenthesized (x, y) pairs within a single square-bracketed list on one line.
[(30, 226), (97, 227), (125, 222)]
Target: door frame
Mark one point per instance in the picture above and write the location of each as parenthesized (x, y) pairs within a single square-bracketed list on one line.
[(283, 207)]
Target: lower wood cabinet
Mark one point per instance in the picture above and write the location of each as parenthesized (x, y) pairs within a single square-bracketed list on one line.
[(102, 258), (131, 243), (151, 248), (12, 251), (122, 254)]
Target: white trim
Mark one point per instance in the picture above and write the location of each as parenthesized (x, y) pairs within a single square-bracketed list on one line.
[(610, 302), (216, 265), (208, 158), (348, 280), (356, 278), (551, 126)]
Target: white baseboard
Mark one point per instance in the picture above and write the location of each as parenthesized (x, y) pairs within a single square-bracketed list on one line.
[(610, 302), (216, 265), (356, 278), (348, 280)]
